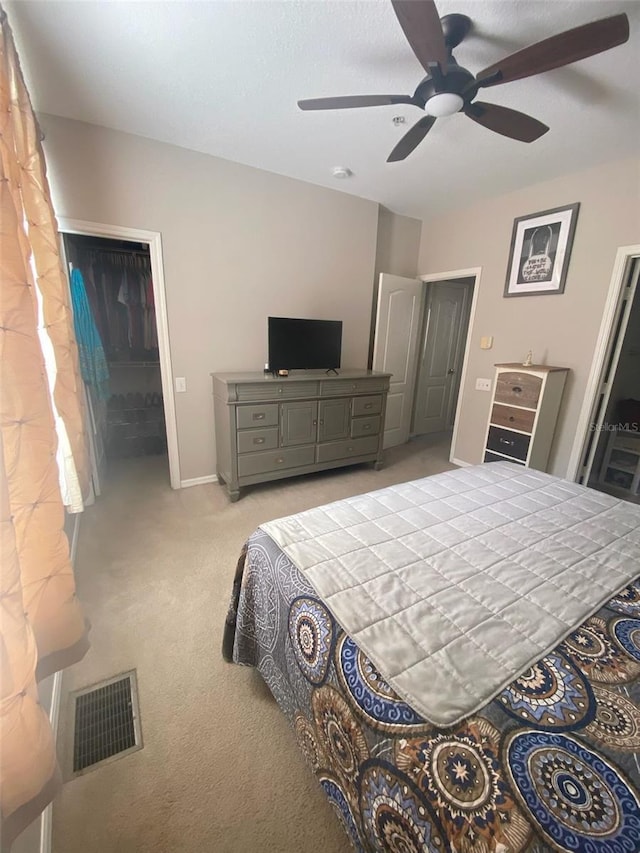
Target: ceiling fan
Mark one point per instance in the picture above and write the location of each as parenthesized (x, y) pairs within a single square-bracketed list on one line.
[(448, 88)]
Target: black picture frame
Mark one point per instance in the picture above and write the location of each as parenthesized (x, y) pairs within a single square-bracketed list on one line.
[(540, 250)]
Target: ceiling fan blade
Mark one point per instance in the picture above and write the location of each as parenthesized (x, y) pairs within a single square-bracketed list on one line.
[(559, 50), (506, 121), (347, 102), (411, 139), (421, 25)]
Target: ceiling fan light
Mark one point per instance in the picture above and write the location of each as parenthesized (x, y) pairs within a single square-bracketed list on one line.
[(444, 104)]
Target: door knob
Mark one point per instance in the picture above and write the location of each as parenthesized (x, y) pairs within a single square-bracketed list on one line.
[(450, 371)]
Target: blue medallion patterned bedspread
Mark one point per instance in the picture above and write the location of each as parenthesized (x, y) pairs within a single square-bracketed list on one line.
[(552, 763)]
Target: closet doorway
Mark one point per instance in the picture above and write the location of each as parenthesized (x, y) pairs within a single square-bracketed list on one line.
[(610, 454), (129, 393)]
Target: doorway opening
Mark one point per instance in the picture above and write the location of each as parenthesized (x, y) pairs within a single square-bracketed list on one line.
[(442, 343), (129, 393), (610, 457), (421, 337)]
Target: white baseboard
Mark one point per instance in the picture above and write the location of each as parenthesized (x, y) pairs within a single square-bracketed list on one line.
[(198, 481), (460, 463)]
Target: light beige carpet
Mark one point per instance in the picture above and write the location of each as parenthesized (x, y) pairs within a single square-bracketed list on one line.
[(220, 771)]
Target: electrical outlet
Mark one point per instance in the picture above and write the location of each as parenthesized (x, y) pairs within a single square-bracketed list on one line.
[(483, 385), (181, 384)]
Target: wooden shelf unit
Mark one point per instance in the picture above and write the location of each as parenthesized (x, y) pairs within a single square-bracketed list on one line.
[(620, 471), (524, 411)]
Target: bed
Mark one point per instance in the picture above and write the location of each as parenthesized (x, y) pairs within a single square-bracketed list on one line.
[(459, 658)]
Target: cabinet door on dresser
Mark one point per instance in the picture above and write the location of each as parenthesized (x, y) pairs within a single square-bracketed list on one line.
[(298, 422), (333, 419)]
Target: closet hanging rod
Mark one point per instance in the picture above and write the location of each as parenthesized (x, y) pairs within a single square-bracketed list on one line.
[(102, 250)]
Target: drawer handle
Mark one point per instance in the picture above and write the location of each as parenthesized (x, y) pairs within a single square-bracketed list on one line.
[(279, 459), (507, 442), (511, 418), (258, 416), (366, 426), (279, 390), (258, 440), (517, 389), (354, 387), (315, 423), (368, 405)]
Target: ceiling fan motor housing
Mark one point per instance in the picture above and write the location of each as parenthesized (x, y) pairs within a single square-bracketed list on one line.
[(451, 79)]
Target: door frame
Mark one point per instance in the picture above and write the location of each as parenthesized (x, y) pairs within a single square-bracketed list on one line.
[(154, 240), (475, 273), (624, 258)]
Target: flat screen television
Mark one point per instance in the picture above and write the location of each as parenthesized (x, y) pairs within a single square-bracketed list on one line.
[(304, 344)]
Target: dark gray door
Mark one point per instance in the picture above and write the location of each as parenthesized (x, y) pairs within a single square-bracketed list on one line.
[(447, 318)]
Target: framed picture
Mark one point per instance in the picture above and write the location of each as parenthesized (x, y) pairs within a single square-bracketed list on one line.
[(540, 250)]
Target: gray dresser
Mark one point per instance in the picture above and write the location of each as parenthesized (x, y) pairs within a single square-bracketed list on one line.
[(271, 427)]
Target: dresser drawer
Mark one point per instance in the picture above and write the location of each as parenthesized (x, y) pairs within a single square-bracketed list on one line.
[(283, 389), (346, 449), (367, 405), (352, 386), (493, 457), (509, 416), (518, 389), (365, 426), (257, 439), (275, 460), (257, 416), (510, 443)]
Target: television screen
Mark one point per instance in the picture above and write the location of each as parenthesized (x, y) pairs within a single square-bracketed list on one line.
[(304, 344)]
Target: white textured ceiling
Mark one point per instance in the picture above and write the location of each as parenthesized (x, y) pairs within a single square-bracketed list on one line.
[(223, 78)]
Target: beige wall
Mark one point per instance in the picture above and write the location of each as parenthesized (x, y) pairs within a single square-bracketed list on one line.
[(238, 244), (397, 248), (398, 244), (560, 329)]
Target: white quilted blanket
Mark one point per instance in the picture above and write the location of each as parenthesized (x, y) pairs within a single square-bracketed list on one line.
[(455, 584)]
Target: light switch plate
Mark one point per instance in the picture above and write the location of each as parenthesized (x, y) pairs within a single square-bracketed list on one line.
[(181, 383), (483, 385), (486, 342)]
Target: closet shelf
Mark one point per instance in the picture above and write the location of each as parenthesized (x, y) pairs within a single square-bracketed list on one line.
[(129, 363)]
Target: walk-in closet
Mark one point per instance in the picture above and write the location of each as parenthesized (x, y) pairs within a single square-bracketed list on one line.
[(616, 464), (115, 321)]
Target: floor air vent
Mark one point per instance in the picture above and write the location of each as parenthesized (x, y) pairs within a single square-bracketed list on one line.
[(106, 722)]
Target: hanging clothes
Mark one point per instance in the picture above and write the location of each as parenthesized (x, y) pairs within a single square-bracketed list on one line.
[(93, 364)]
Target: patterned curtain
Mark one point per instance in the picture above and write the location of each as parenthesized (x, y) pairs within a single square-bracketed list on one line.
[(42, 628)]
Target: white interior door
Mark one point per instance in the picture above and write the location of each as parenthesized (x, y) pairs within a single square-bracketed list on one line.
[(441, 355), (394, 349)]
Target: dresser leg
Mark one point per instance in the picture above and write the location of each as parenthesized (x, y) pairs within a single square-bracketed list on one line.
[(234, 494), (378, 465)]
